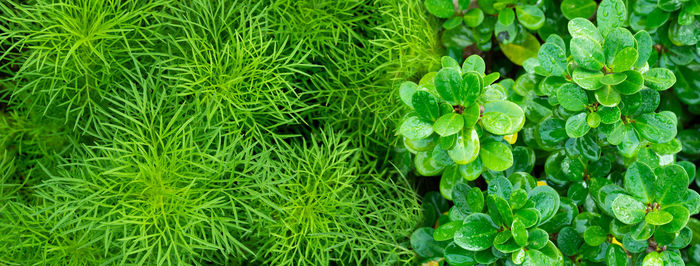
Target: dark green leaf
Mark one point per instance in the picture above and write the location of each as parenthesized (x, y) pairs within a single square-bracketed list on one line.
[(426, 105), (631, 84), (448, 83), (440, 8), (659, 78), (581, 27), (656, 128), (446, 231), (587, 53), (578, 8), (455, 255), (477, 233), (546, 202), (552, 58), (628, 210), (640, 181), (587, 79), (594, 235), (611, 14), (423, 243), (616, 256), (572, 97)]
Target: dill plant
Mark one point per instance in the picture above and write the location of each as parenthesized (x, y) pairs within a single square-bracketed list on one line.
[(68, 54), (332, 210)]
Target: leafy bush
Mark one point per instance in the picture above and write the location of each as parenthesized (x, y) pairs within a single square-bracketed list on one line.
[(613, 187)]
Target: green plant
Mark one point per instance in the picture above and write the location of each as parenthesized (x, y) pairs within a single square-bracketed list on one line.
[(458, 115)]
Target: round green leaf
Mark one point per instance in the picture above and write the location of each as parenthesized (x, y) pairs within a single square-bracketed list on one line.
[(546, 202), (594, 235), (624, 59), (448, 124), (611, 14), (680, 218), (446, 231), (496, 156), (607, 96), (475, 199), (578, 8), (528, 216), (581, 27), (426, 165), (471, 171), (519, 233), (473, 17), (455, 255), (609, 115), (640, 181), (589, 80), (506, 16), (537, 238), (553, 59), (474, 63), (593, 120), (572, 97), (569, 241), (423, 243), (613, 78), (656, 127), (426, 105), (659, 78), (440, 8), (448, 83), (616, 256), (631, 84), (530, 16), (472, 86), (452, 23), (628, 210), (477, 233), (577, 126), (617, 40), (466, 149), (653, 259), (658, 217), (415, 128), (502, 117), (587, 53), (644, 47), (406, 92), (519, 52)]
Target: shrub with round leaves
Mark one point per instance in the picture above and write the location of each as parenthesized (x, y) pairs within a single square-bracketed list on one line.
[(458, 120)]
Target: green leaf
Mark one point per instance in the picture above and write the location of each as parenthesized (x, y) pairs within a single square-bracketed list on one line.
[(452, 23), (440, 8), (658, 217), (653, 259), (448, 142), (530, 16), (640, 181), (546, 202), (607, 96), (502, 117), (426, 165), (553, 59), (466, 149), (680, 218), (448, 124), (500, 187), (572, 97), (624, 59), (473, 17), (611, 14), (581, 27), (499, 210), (423, 243), (613, 78), (471, 115), (426, 105), (472, 85), (616, 256), (656, 127), (569, 241), (519, 52), (659, 78), (496, 156), (589, 80), (406, 92), (450, 178), (537, 238), (477, 233), (506, 16), (632, 84), (455, 255), (644, 46), (415, 128), (576, 126), (446, 231), (672, 184), (609, 115), (587, 53), (628, 210), (528, 216), (475, 199), (519, 233), (448, 83), (578, 8), (517, 198), (594, 235), (617, 40)]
